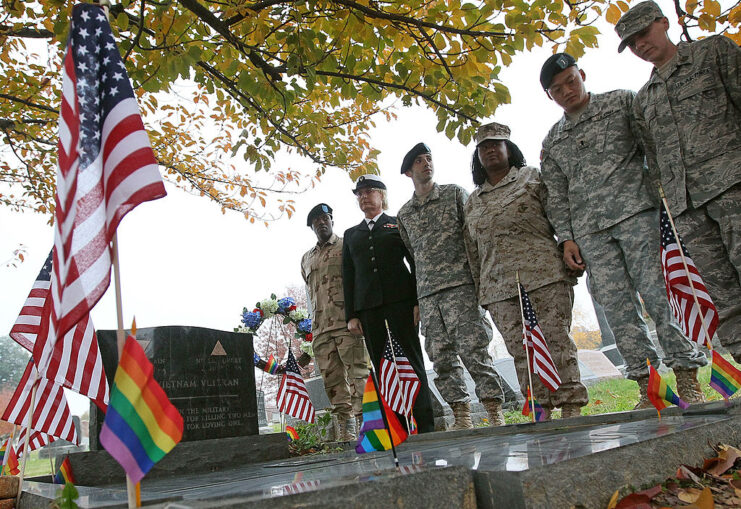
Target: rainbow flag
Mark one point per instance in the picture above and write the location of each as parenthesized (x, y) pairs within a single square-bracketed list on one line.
[(64, 474), (141, 424), (271, 365), (724, 377), (292, 433), (529, 403), (660, 394), (2, 451), (373, 435), (11, 464)]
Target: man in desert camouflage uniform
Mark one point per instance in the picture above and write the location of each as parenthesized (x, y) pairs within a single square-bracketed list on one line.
[(592, 166), (340, 356), (431, 225), (689, 118)]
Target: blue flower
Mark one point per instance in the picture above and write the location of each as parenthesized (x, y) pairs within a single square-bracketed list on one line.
[(284, 304), (304, 325), (251, 320)]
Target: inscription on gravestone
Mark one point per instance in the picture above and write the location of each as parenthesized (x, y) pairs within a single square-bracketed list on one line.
[(207, 374)]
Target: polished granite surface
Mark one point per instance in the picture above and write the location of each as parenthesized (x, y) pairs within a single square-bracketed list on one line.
[(479, 450)]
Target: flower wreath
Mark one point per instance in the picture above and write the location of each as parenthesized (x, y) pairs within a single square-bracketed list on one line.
[(286, 307)]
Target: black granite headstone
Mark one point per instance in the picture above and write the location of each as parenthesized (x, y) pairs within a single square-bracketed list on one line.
[(207, 374)]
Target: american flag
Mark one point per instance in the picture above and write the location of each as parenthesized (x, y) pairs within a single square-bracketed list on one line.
[(541, 362), (75, 362), (678, 288), (293, 398), (37, 440), (399, 387), (105, 168), (51, 413)]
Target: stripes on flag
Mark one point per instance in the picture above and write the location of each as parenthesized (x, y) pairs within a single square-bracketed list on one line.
[(37, 440), (293, 398), (51, 414), (541, 362), (373, 435), (64, 474), (105, 168), (678, 290), (659, 392), (724, 377), (531, 402), (398, 382)]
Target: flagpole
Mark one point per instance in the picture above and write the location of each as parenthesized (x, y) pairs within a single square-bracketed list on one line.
[(398, 376), (527, 350), (383, 415), (120, 340), (708, 339), (25, 442)]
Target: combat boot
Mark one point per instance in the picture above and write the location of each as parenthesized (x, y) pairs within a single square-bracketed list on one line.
[(352, 431), (643, 402), (462, 414), (358, 423), (494, 409), (342, 434), (569, 410), (688, 386)]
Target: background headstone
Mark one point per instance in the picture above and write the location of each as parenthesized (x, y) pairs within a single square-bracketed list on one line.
[(207, 374)]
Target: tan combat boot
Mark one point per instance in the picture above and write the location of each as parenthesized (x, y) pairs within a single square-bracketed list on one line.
[(462, 414), (569, 410), (342, 434), (358, 423), (688, 387), (643, 402), (494, 409)]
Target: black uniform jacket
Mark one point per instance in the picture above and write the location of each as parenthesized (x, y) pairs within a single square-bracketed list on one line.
[(373, 268)]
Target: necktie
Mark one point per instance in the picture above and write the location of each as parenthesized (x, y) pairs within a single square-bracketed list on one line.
[(370, 224)]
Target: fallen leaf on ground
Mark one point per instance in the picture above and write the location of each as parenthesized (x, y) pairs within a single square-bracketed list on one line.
[(726, 459), (634, 501), (689, 495)]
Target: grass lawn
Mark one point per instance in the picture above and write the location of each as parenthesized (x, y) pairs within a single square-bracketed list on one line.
[(619, 395)]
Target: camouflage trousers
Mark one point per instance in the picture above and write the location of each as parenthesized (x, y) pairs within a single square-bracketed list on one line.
[(343, 363), (455, 326), (712, 234), (552, 305), (625, 259)]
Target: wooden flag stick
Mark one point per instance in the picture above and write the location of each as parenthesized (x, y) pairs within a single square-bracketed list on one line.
[(708, 339), (383, 415), (24, 452), (527, 350), (398, 375), (120, 340)]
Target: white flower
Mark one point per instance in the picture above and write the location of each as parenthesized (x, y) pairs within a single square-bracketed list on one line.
[(269, 307), (306, 347), (298, 314)]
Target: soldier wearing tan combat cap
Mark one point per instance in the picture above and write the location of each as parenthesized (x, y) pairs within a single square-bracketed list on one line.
[(689, 117), (506, 230)]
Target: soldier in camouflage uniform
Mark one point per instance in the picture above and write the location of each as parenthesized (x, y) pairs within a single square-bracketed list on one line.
[(506, 230), (598, 204), (689, 118), (431, 226), (340, 356)]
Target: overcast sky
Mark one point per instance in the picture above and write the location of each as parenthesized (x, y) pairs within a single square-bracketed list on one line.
[(185, 263)]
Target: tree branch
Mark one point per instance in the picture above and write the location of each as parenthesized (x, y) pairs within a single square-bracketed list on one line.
[(27, 103), (26, 32)]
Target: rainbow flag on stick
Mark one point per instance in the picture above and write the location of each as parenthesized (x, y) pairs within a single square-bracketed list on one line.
[(292, 433), (271, 365), (724, 377), (11, 464), (529, 403), (660, 394), (64, 474), (373, 435), (141, 424)]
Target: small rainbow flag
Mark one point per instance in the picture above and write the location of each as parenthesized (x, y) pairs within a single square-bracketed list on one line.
[(660, 394), (292, 433), (11, 464), (724, 377), (64, 474), (373, 435), (2, 451), (141, 425), (529, 403), (271, 365)]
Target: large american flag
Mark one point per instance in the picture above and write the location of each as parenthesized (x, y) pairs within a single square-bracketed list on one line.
[(399, 383), (75, 362), (37, 440), (541, 362), (105, 168), (293, 398), (678, 288), (51, 413)]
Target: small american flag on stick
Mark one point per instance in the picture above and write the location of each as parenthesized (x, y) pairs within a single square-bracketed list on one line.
[(534, 343), (293, 398), (399, 383), (689, 311)]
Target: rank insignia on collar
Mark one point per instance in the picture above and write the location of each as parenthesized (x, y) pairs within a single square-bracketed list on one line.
[(390, 225)]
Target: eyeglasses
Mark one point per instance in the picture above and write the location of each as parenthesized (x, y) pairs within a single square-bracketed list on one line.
[(365, 192)]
